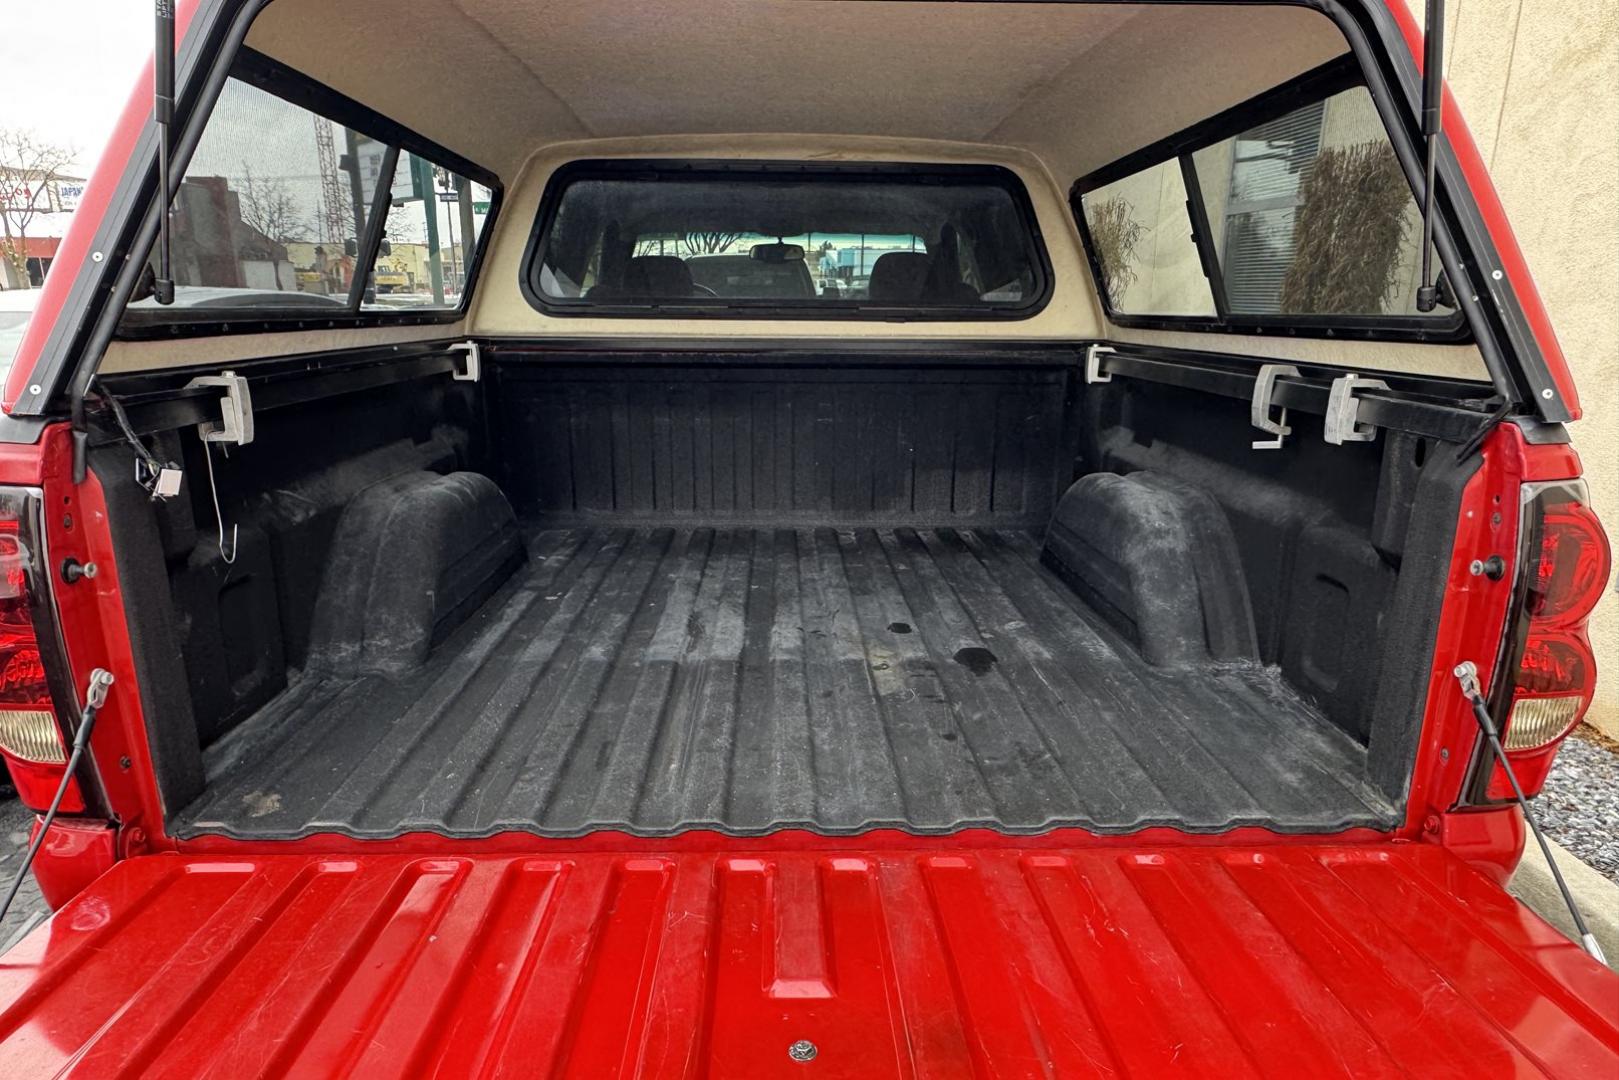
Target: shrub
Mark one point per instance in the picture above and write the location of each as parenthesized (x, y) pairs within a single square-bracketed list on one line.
[(1348, 233)]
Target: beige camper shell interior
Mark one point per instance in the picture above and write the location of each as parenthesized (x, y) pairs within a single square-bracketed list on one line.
[(764, 571)]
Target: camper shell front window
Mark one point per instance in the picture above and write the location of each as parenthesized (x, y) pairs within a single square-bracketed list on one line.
[(786, 240)]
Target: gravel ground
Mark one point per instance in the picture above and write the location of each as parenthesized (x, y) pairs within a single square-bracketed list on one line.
[(28, 910), (1579, 807)]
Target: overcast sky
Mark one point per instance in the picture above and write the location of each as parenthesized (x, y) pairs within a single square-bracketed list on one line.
[(70, 66)]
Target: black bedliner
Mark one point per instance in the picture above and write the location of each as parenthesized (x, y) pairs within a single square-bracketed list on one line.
[(746, 679)]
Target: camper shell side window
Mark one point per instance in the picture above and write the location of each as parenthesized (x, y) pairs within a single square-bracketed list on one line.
[(1288, 214), (302, 207)]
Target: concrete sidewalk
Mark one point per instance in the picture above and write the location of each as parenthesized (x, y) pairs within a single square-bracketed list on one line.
[(1597, 896)]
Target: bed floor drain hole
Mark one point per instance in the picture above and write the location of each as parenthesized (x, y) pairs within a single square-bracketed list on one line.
[(977, 660)]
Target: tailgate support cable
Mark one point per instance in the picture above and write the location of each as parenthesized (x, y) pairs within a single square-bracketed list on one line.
[(95, 696), (1467, 674)]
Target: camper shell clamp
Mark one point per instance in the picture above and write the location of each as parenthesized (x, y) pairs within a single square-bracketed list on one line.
[(235, 424), (1343, 410), (1259, 408)]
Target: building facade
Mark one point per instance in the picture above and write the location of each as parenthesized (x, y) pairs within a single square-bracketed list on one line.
[(1539, 84)]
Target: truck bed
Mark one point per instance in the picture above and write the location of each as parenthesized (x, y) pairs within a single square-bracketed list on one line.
[(655, 680)]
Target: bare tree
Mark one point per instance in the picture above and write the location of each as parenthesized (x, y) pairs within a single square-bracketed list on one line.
[(402, 229), (31, 166), (265, 204), (708, 243)]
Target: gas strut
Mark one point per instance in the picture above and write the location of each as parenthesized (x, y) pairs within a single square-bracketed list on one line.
[(95, 696), (163, 117), (1433, 120), (1467, 674)]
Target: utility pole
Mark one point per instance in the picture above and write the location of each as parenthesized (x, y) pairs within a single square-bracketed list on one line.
[(424, 183), (468, 227)]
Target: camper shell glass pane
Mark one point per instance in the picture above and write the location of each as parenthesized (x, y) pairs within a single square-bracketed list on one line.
[(299, 203), (1290, 212), (431, 209), (271, 209), (792, 240)]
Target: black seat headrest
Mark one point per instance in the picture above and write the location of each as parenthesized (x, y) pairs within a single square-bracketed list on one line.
[(898, 277), (656, 276)]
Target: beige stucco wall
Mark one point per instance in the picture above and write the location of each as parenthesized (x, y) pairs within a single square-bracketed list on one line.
[(1538, 82)]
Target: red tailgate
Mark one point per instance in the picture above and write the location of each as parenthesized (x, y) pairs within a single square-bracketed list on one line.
[(1288, 962)]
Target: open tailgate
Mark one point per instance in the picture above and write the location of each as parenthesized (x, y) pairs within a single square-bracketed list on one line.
[(1289, 961)]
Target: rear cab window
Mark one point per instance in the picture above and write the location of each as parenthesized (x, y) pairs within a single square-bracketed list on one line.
[(1289, 213), (786, 240), (302, 205)]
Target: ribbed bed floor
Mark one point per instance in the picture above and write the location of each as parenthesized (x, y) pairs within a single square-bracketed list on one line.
[(656, 680)]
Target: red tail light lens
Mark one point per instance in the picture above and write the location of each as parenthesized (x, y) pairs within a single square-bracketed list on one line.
[(31, 738), (1571, 567), (1551, 692), (1565, 560)]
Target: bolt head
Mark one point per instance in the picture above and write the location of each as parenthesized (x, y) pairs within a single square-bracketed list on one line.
[(802, 1050)]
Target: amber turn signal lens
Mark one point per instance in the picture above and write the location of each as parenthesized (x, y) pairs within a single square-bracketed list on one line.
[(32, 735)]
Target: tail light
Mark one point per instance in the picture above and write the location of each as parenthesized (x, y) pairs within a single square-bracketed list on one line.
[(31, 737), (1564, 560)]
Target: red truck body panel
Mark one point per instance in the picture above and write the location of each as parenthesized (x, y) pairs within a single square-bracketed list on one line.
[(1361, 961)]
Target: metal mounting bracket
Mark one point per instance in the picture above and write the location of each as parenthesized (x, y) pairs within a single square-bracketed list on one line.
[(1259, 408), (1093, 364), (1343, 410), (473, 367), (235, 424)]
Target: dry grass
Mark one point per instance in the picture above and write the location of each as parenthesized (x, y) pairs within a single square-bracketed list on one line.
[(1591, 735), (1115, 233), (1349, 233)]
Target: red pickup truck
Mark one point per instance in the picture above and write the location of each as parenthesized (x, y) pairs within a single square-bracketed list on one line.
[(767, 538)]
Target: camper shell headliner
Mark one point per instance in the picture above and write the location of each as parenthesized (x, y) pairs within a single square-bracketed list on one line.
[(1076, 85)]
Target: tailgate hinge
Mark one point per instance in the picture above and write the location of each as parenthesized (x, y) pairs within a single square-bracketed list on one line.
[(235, 424)]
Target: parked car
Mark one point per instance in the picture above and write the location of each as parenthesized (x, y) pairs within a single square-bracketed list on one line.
[(1062, 655)]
